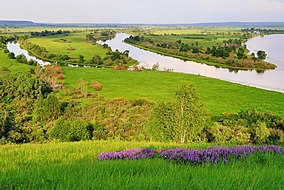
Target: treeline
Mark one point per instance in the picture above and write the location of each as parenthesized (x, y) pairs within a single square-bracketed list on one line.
[(229, 53), (263, 30), (31, 112), (49, 33)]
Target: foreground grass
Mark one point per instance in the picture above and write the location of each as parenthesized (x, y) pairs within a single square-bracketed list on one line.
[(74, 166), (218, 96)]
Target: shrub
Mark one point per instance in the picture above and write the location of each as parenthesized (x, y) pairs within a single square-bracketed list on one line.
[(96, 85), (22, 59), (120, 67), (76, 130), (11, 55)]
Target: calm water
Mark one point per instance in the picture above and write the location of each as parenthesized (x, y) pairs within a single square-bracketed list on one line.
[(17, 50), (271, 79), (273, 46)]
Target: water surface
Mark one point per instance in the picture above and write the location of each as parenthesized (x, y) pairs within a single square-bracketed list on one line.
[(17, 50), (270, 79)]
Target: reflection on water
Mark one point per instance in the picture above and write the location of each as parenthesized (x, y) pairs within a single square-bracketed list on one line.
[(17, 50), (270, 79)]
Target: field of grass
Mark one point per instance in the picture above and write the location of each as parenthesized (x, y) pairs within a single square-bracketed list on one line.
[(202, 40), (75, 41), (74, 166), (218, 96), (12, 64), (195, 30)]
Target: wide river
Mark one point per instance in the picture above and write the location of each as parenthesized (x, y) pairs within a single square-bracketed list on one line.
[(270, 79)]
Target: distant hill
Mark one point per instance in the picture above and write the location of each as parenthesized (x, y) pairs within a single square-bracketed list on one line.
[(213, 24), (16, 23), (240, 24)]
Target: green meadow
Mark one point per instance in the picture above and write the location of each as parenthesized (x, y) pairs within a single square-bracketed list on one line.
[(74, 45), (74, 166), (218, 96)]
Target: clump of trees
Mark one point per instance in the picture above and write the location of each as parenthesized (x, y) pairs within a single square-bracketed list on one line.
[(49, 33), (248, 126)]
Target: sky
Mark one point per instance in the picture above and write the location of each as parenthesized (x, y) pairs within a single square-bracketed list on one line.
[(143, 11)]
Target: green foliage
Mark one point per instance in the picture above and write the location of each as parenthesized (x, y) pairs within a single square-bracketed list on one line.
[(81, 59), (21, 85), (21, 59), (162, 122), (11, 55), (97, 60), (72, 130), (261, 54), (48, 33), (180, 122), (217, 49), (256, 127)]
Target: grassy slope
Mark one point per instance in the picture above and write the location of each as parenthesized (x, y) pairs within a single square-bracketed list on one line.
[(12, 64), (218, 96), (78, 42), (74, 166)]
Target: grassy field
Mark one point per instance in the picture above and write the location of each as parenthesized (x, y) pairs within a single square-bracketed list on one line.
[(74, 166), (77, 41), (195, 30), (12, 64), (218, 96), (202, 40)]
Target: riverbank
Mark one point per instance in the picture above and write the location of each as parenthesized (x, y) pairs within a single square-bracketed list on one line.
[(199, 48), (185, 58)]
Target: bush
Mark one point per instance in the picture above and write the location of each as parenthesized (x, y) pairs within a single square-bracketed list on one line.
[(11, 55), (96, 85), (22, 59), (72, 130)]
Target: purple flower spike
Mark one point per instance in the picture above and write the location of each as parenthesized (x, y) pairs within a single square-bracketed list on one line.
[(191, 156)]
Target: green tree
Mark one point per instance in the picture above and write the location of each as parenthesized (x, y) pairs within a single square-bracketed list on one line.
[(51, 107), (181, 121), (97, 60), (81, 59), (261, 55), (190, 114)]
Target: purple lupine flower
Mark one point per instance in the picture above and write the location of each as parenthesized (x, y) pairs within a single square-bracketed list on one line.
[(191, 156)]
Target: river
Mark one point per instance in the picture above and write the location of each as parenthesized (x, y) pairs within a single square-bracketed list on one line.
[(17, 50), (270, 79)]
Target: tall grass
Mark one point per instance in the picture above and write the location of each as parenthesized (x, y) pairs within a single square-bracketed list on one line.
[(74, 166)]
